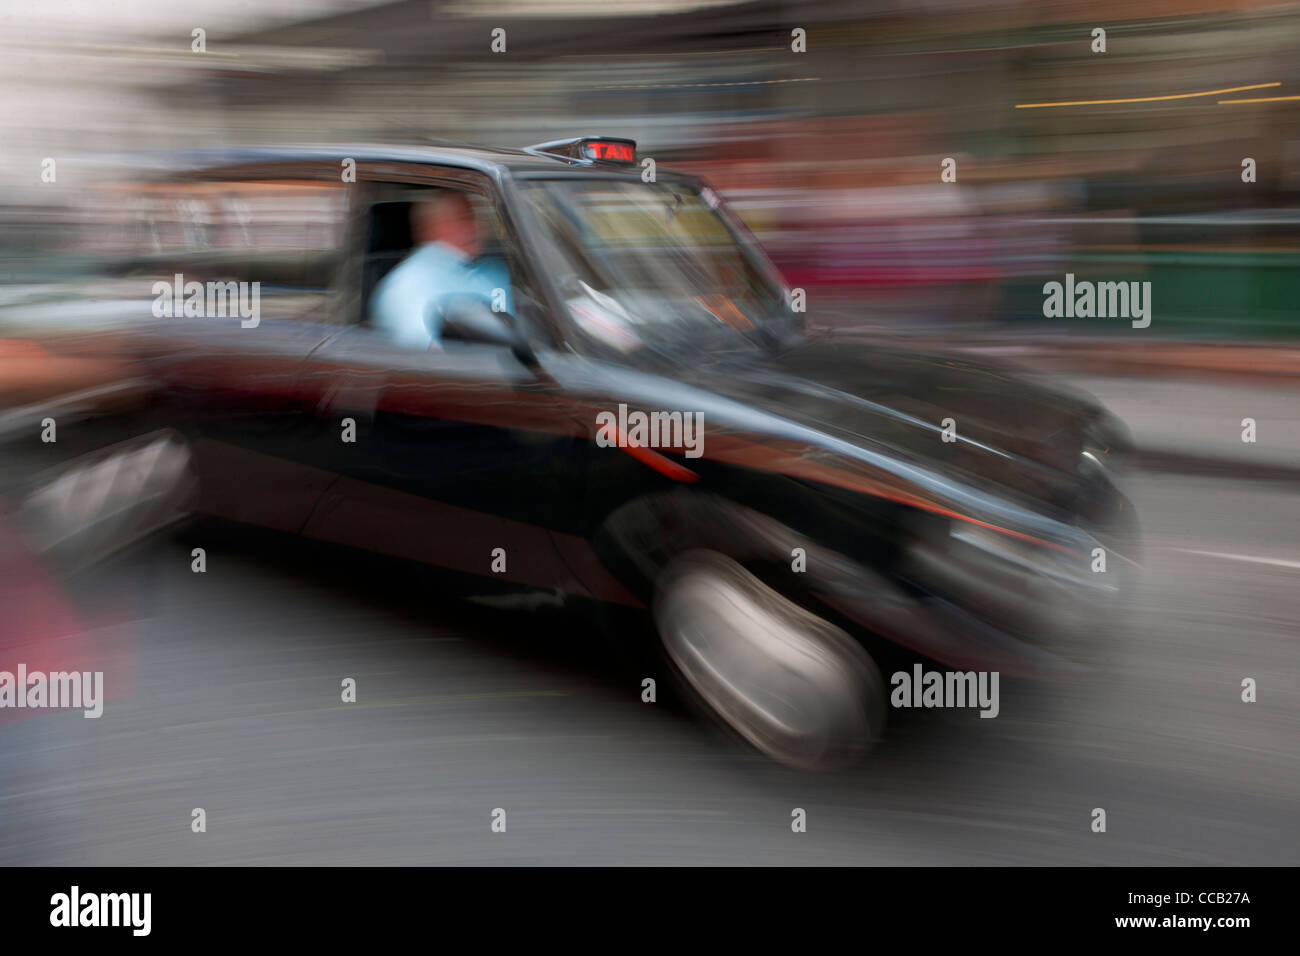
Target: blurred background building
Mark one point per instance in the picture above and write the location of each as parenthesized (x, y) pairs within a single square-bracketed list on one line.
[(831, 151)]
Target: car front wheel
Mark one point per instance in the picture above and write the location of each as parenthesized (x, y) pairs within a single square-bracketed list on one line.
[(793, 685)]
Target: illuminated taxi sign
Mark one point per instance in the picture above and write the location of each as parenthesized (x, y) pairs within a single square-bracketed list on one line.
[(610, 151), (591, 149)]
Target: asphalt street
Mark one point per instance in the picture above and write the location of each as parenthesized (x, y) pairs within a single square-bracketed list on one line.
[(229, 699)]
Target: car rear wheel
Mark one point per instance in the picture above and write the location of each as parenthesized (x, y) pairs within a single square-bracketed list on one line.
[(106, 500), (793, 685)]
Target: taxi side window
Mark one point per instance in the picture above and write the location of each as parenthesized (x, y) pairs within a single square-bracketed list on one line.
[(284, 231), (390, 232), (391, 235)]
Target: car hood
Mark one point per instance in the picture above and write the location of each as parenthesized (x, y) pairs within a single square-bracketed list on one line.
[(1001, 426)]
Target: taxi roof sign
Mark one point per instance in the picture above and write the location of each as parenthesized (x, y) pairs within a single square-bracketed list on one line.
[(590, 149)]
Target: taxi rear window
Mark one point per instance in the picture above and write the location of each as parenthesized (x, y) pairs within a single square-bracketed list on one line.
[(286, 232), (274, 216)]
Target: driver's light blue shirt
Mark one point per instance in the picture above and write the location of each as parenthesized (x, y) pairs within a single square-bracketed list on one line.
[(406, 303)]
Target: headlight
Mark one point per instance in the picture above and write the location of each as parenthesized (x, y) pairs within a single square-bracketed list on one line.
[(1020, 585), (1107, 444)]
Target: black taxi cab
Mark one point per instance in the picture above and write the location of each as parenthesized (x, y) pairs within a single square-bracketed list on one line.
[(633, 411)]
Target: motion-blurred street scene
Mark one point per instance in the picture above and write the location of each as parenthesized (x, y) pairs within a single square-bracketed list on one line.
[(919, 172)]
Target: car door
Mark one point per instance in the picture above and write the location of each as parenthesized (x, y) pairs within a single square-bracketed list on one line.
[(445, 456), (272, 237)]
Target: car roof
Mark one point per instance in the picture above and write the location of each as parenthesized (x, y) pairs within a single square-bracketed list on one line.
[(482, 159)]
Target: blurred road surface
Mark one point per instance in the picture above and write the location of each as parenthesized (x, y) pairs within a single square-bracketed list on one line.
[(235, 708)]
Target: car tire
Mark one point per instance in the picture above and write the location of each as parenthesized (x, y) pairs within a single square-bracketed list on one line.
[(107, 500), (790, 684)]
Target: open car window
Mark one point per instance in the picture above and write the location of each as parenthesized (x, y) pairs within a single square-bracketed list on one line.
[(390, 238)]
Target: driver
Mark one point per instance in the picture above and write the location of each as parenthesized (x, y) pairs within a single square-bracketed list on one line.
[(446, 261)]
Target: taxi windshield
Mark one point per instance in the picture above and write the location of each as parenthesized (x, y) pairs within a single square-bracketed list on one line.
[(648, 263)]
